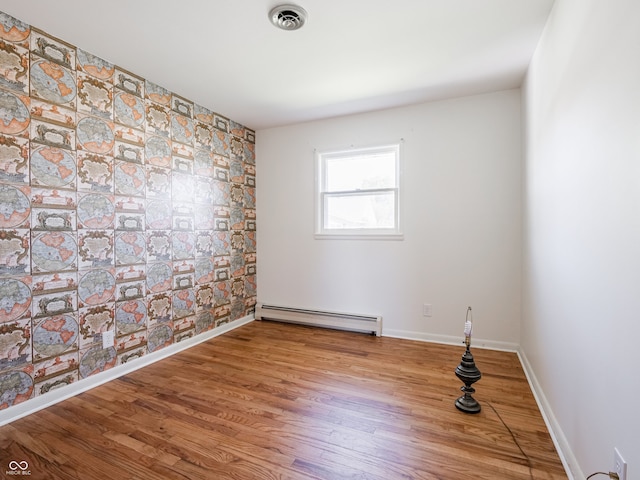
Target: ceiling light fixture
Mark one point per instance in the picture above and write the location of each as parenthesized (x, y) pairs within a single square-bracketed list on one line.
[(288, 17)]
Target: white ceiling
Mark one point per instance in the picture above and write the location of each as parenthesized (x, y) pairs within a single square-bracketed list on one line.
[(351, 56)]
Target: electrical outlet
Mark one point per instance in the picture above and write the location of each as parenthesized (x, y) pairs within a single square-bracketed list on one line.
[(619, 465), (426, 310), (107, 339)]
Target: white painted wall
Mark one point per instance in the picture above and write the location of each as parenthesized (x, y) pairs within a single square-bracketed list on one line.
[(461, 216), (582, 229)]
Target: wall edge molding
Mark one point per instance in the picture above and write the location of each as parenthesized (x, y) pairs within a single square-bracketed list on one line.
[(38, 403), (451, 340), (568, 459), (563, 448)]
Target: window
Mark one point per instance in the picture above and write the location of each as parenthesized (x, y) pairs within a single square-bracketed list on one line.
[(358, 192)]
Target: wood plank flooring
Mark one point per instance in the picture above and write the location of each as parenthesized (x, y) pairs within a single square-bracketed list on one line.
[(277, 401)]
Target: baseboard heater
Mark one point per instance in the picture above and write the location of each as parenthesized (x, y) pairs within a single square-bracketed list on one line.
[(341, 321)]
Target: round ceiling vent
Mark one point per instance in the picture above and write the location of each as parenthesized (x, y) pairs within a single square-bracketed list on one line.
[(288, 17)]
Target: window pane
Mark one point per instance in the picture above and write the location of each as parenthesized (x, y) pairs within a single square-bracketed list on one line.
[(373, 210), (363, 171)]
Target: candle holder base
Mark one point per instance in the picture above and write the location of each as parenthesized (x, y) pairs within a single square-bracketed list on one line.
[(467, 404), (468, 374)]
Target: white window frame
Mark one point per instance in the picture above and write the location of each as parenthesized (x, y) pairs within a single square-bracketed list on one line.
[(322, 194)]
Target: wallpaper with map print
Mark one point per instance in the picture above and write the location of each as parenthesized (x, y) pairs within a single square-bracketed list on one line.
[(123, 207)]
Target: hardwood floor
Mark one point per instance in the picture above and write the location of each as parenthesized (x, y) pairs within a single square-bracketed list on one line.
[(276, 401)]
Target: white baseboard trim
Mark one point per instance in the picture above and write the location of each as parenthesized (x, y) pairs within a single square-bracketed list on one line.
[(567, 457), (450, 340), (569, 461), (38, 403)]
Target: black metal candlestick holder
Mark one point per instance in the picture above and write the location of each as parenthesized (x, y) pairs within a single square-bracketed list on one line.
[(468, 374)]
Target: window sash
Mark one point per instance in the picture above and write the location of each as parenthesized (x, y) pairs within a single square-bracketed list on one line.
[(380, 161), (382, 221), (365, 216)]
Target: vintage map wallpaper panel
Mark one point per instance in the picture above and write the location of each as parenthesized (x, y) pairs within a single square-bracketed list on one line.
[(124, 208)]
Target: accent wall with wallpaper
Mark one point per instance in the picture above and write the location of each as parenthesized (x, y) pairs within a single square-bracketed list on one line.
[(124, 208)]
